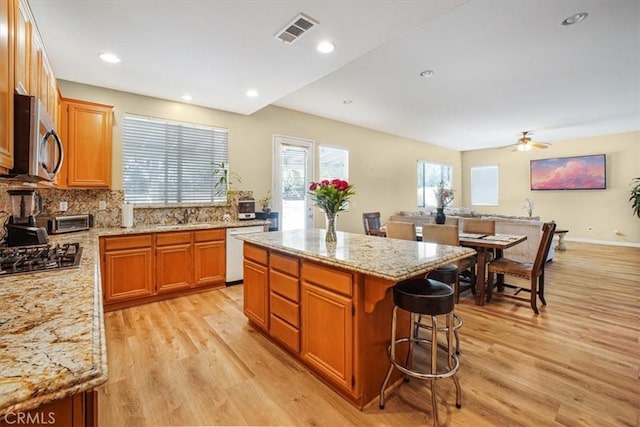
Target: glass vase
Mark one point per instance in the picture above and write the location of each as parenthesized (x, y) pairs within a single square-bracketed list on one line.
[(330, 235), (441, 218)]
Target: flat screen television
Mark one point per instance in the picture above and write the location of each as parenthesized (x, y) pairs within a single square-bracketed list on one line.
[(570, 173)]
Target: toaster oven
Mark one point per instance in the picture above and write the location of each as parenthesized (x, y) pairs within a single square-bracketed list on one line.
[(65, 223)]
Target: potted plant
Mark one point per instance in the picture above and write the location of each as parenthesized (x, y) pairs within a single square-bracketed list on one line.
[(444, 197), (265, 202), (226, 178), (635, 196)]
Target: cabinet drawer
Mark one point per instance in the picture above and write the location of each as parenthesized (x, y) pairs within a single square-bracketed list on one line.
[(127, 242), (173, 238), (285, 264), (285, 309), (329, 278), (255, 253), (208, 235), (285, 333), (284, 285)]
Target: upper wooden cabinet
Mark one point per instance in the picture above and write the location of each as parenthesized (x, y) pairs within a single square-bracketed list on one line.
[(23, 47), (6, 83), (85, 129)]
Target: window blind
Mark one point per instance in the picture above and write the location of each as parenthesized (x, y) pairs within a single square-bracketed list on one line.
[(172, 162), (294, 178), (484, 185), (334, 163)]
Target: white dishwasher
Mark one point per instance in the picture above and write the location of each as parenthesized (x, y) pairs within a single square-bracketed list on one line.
[(234, 251)]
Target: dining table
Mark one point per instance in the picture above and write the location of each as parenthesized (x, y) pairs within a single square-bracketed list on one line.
[(484, 244)]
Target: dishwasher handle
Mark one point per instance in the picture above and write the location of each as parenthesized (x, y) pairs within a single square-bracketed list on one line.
[(238, 232)]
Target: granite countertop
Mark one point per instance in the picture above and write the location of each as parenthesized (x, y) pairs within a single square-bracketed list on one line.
[(390, 259), (52, 338), (139, 229)]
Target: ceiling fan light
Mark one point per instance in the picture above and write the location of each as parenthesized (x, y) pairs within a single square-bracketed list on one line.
[(524, 147)]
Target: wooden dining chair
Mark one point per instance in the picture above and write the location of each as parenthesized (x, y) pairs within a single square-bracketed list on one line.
[(479, 226), (401, 230), (371, 222), (448, 235), (532, 271)]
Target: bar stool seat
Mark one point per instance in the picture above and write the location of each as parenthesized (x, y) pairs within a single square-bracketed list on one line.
[(424, 297)]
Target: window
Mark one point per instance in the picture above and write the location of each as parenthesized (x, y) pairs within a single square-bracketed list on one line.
[(334, 163), (429, 176), (172, 162), (484, 185)]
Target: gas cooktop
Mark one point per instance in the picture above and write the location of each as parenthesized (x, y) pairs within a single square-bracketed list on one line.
[(30, 259)]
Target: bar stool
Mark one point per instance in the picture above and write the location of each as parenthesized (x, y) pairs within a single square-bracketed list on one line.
[(431, 298), (447, 273)]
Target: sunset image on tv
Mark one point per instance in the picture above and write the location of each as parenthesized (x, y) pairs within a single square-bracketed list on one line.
[(569, 173)]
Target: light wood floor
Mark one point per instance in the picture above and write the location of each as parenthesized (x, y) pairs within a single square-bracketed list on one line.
[(195, 361)]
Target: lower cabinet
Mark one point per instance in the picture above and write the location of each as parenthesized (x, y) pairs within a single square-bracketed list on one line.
[(127, 267), (256, 285), (142, 268), (80, 410), (327, 323), (174, 261), (306, 307)]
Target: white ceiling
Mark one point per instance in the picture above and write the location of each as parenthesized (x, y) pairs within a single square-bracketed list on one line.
[(501, 66)]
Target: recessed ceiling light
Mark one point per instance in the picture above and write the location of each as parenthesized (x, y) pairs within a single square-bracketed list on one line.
[(109, 57), (574, 19), (426, 73), (186, 97), (347, 101), (252, 93), (325, 47)]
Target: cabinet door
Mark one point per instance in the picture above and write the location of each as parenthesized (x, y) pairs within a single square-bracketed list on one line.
[(327, 334), (256, 293), (6, 83), (210, 262), (23, 49), (174, 267), (88, 145), (128, 274)]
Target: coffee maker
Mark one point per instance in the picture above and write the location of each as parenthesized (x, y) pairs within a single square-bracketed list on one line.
[(21, 226)]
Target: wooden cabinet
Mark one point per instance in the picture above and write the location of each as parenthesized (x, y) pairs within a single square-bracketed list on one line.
[(85, 128), (6, 82), (284, 300), (327, 323), (80, 410), (174, 261), (256, 285), (142, 268), (23, 42), (127, 267), (209, 250)]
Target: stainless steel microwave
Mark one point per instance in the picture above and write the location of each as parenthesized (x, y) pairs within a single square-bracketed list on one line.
[(37, 150)]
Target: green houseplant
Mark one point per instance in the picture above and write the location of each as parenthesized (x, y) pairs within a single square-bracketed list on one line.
[(225, 178), (635, 196)]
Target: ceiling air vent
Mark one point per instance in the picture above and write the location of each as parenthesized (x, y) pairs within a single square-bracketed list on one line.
[(296, 28)]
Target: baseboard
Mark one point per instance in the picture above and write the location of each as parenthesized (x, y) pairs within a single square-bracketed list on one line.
[(602, 242)]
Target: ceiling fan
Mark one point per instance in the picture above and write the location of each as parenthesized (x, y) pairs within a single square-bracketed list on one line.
[(525, 143)]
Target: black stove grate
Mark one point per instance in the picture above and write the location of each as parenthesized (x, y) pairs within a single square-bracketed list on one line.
[(28, 259)]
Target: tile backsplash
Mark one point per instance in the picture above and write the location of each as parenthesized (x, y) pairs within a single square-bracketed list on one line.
[(88, 201)]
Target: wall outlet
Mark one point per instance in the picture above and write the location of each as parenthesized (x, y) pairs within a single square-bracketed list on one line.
[(63, 206), (102, 205)]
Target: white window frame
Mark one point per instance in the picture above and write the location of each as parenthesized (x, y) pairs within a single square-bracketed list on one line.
[(485, 191), (428, 193)]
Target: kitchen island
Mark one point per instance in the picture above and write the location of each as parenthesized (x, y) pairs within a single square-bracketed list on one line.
[(330, 304)]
